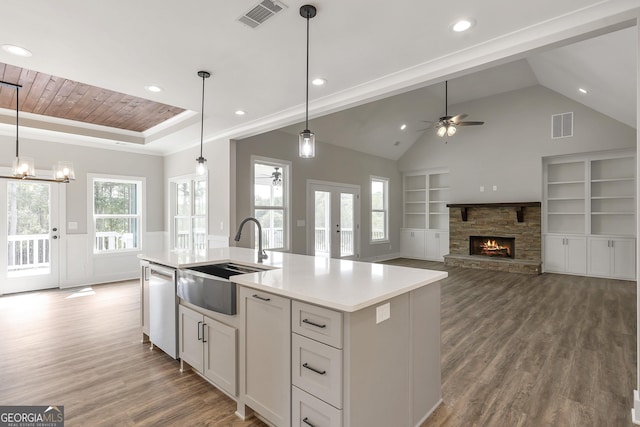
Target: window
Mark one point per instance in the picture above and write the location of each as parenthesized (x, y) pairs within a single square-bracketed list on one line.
[(117, 214), (189, 212), (271, 202), (379, 209)]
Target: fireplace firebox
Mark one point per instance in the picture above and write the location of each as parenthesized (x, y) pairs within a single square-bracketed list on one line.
[(492, 246)]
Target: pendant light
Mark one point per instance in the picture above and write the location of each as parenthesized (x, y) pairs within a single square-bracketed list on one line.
[(201, 167), (307, 140), (23, 167)]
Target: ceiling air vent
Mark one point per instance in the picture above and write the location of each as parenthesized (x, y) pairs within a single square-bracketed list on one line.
[(260, 13), (561, 125)]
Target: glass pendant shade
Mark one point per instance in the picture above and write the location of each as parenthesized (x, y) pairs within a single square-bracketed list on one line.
[(23, 167), (307, 144), (201, 166), (441, 131), (451, 130), (63, 171)]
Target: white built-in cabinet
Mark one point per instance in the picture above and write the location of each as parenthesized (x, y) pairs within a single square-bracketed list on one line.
[(209, 347), (425, 215), (589, 212)]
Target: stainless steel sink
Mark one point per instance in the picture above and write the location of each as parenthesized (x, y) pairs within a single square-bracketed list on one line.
[(209, 287)]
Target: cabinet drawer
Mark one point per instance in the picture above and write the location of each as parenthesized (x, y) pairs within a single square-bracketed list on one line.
[(310, 411), (317, 369), (318, 323)]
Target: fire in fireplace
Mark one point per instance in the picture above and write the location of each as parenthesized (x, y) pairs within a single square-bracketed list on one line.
[(492, 246)]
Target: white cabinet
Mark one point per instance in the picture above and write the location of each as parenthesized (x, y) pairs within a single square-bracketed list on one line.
[(209, 347), (144, 299), (565, 254), (437, 245), (612, 257), (413, 243), (266, 355)]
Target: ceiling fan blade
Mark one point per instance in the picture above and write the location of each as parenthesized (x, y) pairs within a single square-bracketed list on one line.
[(456, 119), (469, 123), (427, 121)]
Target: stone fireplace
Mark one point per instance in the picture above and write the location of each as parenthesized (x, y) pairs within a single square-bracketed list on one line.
[(496, 236)]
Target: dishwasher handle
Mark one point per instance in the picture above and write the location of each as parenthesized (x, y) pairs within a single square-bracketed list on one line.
[(156, 270)]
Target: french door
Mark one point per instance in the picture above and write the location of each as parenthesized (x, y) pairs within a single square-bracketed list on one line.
[(333, 218), (29, 235)]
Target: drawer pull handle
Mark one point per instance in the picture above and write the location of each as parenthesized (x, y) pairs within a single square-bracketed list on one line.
[(311, 368), (309, 322), (306, 421), (261, 298)]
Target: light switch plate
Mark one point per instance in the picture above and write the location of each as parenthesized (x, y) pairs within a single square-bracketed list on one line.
[(482, 188), (383, 312)]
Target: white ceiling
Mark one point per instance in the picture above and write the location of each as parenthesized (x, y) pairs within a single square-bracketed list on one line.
[(367, 50)]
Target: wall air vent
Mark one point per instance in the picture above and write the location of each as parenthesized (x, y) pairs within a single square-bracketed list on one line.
[(561, 125), (260, 13)]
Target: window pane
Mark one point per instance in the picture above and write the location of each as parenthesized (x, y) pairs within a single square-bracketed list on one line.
[(116, 233), (115, 198), (200, 233), (346, 225), (377, 195), (378, 223), (182, 231), (200, 198), (272, 222), (183, 198), (268, 186)]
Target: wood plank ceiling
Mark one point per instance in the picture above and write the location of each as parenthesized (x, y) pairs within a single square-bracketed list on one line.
[(58, 97)]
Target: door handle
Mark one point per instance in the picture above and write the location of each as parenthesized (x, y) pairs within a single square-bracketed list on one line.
[(54, 237), (338, 228)]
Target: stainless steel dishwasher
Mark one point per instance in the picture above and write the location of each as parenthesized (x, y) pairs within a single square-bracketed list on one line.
[(163, 309)]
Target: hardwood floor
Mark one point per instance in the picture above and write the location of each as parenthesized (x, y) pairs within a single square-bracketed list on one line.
[(517, 350), (548, 350)]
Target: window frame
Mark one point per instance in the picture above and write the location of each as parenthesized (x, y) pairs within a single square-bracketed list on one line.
[(385, 208), (140, 208), (286, 198), (191, 180)]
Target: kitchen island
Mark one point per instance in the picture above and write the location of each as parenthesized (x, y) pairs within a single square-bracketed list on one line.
[(320, 341)]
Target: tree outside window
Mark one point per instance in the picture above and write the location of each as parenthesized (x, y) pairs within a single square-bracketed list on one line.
[(116, 214), (379, 209)]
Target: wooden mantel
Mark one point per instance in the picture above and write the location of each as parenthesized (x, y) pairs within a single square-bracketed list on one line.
[(519, 207)]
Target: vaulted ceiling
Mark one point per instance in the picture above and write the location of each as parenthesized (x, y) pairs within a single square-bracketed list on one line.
[(366, 50)]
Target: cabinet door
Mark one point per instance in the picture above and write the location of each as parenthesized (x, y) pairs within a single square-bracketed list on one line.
[(623, 259), (267, 358), (554, 254), (432, 244), (190, 337), (599, 256), (576, 255), (412, 243), (220, 345)]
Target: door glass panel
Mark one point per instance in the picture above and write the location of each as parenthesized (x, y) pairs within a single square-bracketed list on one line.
[(28, 227), (347, 231), (322, 222), (200, 199)]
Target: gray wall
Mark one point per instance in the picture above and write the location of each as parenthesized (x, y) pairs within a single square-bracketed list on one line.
[(507, 150), (93, 160), (332, 163)]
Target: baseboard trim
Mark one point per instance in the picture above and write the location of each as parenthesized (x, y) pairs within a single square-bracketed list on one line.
[(378, 258), (438, 403), (635, 411)]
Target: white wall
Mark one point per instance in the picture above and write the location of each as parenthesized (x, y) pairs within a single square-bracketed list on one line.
[(507, 150), (333, 164), (82, 267)]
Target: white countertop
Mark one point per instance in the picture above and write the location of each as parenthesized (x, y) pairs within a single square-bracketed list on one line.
[(342, 285)]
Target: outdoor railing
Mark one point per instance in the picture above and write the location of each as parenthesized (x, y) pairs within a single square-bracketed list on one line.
[(28, 251)]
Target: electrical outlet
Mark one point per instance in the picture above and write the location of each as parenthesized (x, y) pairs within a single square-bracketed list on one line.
[(383, 312), (221, 225)]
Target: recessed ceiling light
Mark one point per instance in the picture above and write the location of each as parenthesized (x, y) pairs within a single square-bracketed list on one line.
[(462, 25), (318, 81), (240, 112), (16, 50), (153, 88), (582, 90), (403, 126)]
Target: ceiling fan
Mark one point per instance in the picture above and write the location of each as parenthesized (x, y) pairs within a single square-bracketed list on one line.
[(276, 176), (447, 125)]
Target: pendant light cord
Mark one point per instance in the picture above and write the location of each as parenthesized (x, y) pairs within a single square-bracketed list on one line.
[(202, 119), (306, 126)]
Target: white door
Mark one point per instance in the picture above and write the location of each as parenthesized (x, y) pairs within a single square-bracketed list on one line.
[(29, 235), (333, 218)]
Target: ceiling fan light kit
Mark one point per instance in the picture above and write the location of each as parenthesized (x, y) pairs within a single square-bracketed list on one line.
[(447, 125), (307, 139)]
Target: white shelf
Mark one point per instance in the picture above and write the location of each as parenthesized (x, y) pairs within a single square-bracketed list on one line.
[(613, 180), (438, 188), (565, 213), (416, 189), (610, 197), (565, 182), (550, 199), (612, 213)]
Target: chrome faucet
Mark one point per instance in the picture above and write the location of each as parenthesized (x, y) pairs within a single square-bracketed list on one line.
[(261, 253)]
